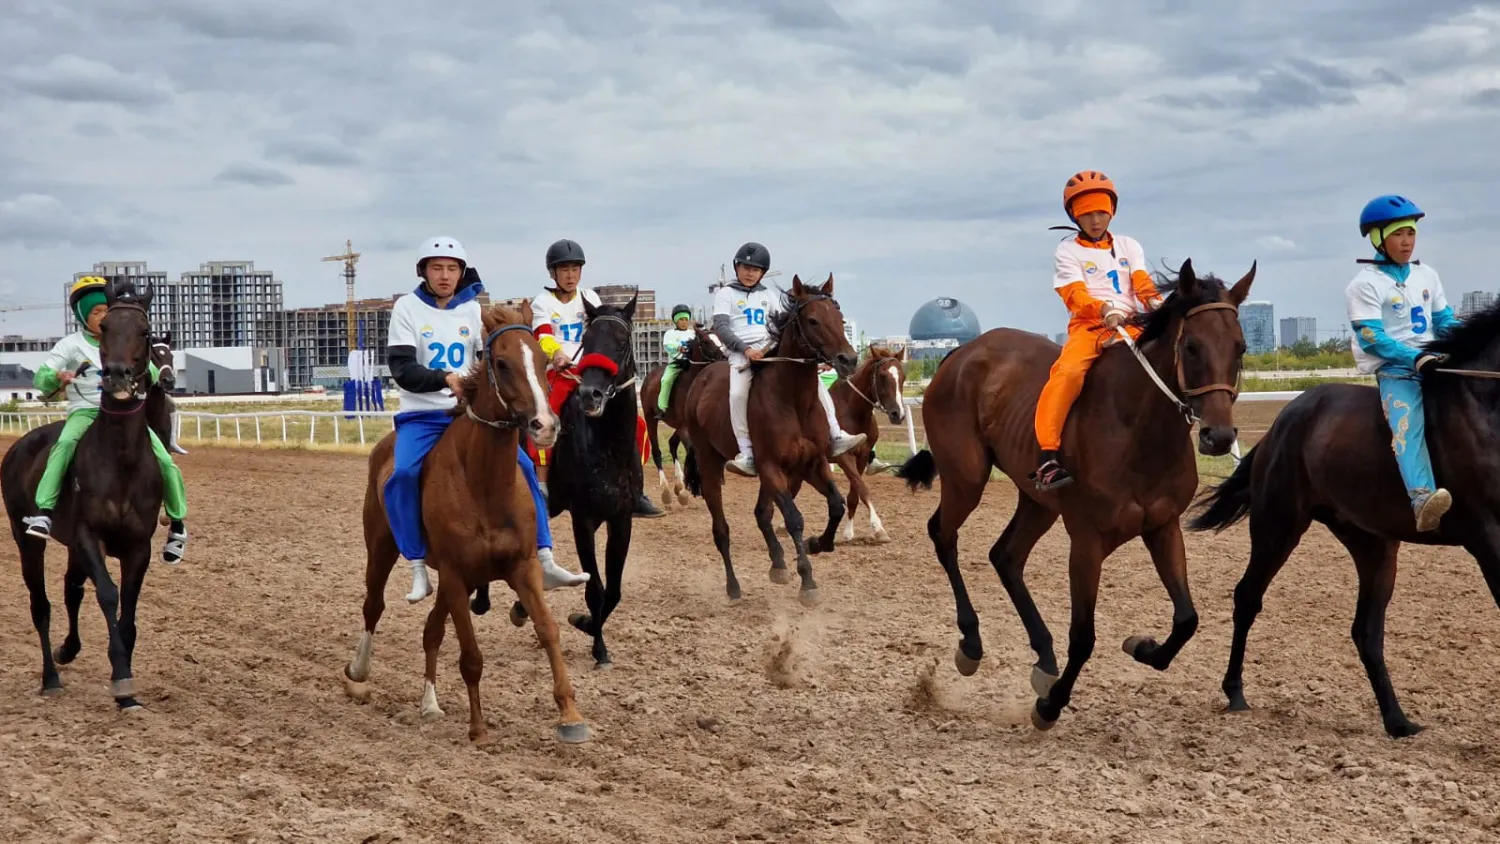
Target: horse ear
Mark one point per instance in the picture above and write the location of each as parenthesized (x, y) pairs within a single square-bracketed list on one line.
[(145, 297), (109, 291), (527, 314), (1241, 288), (588, 308), (797, 289), (629, 309), (828, 286), (1187, 281), (900, 354)]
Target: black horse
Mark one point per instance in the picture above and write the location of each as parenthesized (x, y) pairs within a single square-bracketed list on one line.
[(110, 499), (159, 406), (597, 469), (1328, 458)]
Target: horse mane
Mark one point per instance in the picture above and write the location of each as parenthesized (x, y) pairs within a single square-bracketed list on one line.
[(1154, 324), (1471, 339), (492, 317), (777, 321)]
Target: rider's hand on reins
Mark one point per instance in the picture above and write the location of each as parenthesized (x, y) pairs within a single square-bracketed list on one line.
[(560, 360), (455, 384), (1113, 318)]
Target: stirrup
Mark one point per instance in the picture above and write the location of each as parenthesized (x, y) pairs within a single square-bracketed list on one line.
[(1051, 475)]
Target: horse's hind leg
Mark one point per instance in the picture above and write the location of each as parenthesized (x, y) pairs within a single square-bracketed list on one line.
[(1375, 560), (73, 580), (1008, 555), (764, 507), (1274, 534), (1165, 545), (957, 499), (380, 558), (34, 573), (683, 497), (527, 582), (857, 492), (821, 479)]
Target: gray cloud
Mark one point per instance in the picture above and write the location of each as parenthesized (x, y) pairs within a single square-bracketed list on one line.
[(912, 149), (255, 175)]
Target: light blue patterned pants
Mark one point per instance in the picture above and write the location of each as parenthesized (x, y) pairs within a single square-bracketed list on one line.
[(1401, 398)]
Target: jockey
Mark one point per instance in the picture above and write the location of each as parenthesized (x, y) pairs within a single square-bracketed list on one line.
[(1396, 306), (557, 321), (1102, 279), (73, 366), (675, 342), (442, 318), (740, 311)]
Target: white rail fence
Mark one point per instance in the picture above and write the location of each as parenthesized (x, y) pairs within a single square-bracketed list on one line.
[(363, 428)]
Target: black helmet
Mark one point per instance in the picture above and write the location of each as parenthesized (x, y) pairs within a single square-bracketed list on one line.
[(564, 252), (681, 309), (753, 254)]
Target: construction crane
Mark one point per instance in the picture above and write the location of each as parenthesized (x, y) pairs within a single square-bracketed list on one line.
[(350, 257)]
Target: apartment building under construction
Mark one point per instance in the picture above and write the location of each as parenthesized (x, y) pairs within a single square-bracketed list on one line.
[(217, 305)]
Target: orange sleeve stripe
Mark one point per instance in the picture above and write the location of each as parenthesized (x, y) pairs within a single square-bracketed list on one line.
[(1081, 304)]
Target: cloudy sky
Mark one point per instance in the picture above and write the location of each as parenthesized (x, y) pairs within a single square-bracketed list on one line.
[(914, 148)]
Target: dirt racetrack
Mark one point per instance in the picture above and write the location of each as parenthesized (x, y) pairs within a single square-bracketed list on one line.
[(763, 721)]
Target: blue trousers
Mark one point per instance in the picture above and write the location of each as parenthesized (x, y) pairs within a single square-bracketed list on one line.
[(1401, 398), (416, 433)]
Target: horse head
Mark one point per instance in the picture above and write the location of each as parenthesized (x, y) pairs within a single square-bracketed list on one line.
[(161, 355), (1199, 322), (608, 362), (707, 347), (125, 341), (509, 392), (886, 376), (810, 316)]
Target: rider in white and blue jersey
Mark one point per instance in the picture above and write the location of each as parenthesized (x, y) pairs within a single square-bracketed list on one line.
[(1396, 306), (436, 333)]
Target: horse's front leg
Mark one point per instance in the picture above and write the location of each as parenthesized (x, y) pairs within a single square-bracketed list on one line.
[(821, 479), (764, 505), (591, 622), (776, 484)]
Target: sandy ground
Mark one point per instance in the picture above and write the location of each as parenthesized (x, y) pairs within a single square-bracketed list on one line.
[(763, 721)]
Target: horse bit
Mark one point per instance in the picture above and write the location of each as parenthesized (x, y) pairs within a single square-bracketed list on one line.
[(1178, 397)]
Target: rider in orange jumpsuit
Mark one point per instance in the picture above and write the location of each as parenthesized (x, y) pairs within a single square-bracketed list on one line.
[(1102, 279)]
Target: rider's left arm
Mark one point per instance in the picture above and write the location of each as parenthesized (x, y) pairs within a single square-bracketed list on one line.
[(1145, 289)]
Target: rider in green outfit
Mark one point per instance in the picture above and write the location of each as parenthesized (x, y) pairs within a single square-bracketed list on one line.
[(675, 341), (73, 365)]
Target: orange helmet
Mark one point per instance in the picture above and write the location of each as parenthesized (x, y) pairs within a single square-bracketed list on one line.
[(1087, 182)]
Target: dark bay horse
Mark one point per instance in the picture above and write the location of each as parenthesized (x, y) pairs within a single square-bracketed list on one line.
[(478, 517), (110, 499), (875, 384), (787, 427), (1129, 447), (597, 468), (1328, 458), (702, 350), (159, 404)]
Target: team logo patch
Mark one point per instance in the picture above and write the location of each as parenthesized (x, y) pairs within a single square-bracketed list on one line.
[(556, 318), (427, 332), (1089, 268), (1398, 304), (463, 331), (1367, 334), (1124, 263), (1426, 295), (740, 304)]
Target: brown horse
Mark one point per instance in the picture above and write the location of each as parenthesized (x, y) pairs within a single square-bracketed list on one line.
[(702, 350), (877, 383), (478, 518), (787, 427), (1131, 453)]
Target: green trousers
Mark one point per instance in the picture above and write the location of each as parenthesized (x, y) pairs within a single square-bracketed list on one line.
[(174, 497), (668, 377)]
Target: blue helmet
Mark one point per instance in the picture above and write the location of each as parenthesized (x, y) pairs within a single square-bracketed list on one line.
[(1386, 209)]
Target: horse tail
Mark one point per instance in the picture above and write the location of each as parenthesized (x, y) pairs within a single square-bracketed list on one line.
[(692, 476), (919, 470), (1229, 502)]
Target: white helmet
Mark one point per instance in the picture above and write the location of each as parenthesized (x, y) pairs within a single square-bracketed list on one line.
[(440, 246)]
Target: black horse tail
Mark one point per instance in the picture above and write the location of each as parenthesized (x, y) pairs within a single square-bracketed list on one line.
[(1229, 502), (919, 470), (692, 475)]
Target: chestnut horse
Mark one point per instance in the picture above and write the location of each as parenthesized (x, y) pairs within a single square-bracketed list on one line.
[(1328, 458), (110, 498), (788, 429), (1127, 443), (877, 383), (478, 517), (701, 351)]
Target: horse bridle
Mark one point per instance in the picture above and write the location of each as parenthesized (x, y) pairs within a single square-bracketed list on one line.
[(795, 321), (875, 385), (1183, 392), (135, 376), (513, 421), (627, 364)]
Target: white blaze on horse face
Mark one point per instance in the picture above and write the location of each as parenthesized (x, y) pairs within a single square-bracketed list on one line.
[(894, 372), (547, 435)]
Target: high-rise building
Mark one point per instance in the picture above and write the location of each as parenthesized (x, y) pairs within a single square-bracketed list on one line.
[(851, 333), (618, 295), (218, 305), (1475, 301), (316, 340), (1258, 322), (1298, 328)]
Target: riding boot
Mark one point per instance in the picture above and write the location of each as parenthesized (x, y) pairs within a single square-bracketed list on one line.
[(1429, 507), (742, 464), (40, 525), (176, 546), (645, 508), (554, 575), (843, 441), (1050, 475), (420, 587), (876, 466)]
